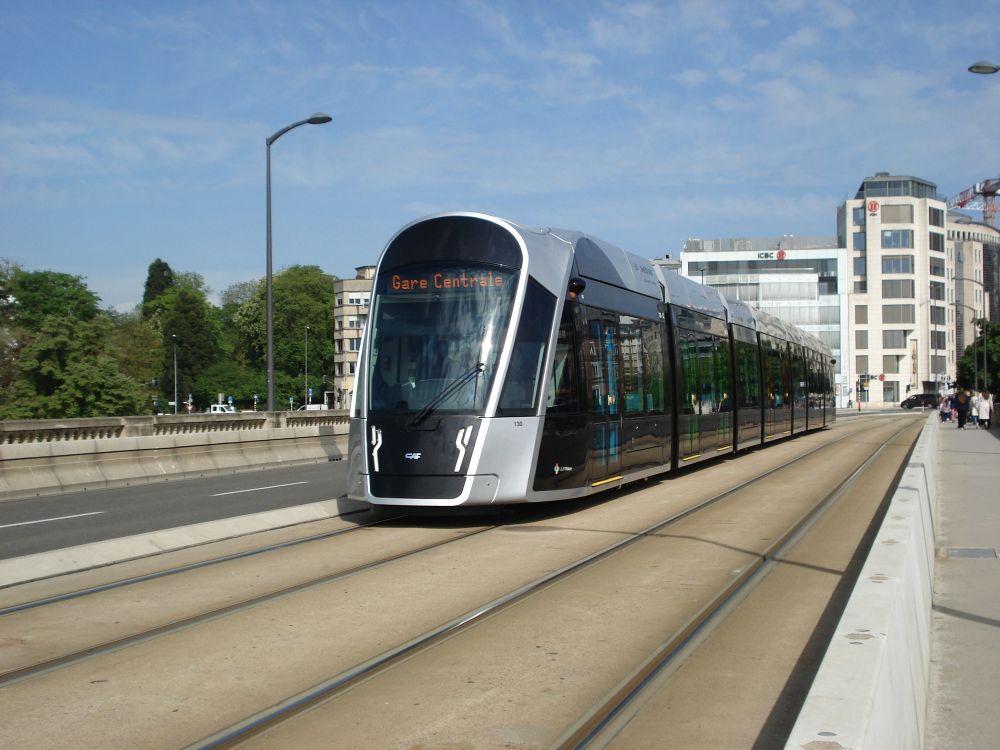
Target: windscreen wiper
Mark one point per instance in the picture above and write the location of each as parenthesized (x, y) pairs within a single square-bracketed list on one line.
[(462, 379)]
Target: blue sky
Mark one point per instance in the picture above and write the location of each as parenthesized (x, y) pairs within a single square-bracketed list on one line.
[(131, 131)]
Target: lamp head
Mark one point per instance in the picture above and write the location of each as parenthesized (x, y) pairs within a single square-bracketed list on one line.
[(319, 119)]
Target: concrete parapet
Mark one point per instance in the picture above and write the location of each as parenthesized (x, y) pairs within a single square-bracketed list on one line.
[(870, 691), (41, 457)]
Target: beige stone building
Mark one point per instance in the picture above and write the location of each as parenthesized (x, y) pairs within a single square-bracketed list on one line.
[(353, 300)]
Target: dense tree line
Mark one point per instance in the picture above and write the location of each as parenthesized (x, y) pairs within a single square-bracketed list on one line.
[(62, 356)]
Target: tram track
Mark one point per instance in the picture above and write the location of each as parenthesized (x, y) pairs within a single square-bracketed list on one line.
[(597, 720), (595, 729), (382, 662)]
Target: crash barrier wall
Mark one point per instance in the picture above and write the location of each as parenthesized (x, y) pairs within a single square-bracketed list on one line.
[(871, 688), (41, 457)]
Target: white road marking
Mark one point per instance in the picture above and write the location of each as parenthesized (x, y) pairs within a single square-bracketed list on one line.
[(258, 489), (46, 520)]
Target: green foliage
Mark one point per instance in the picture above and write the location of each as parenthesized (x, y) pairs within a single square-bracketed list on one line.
[(63, 357), (971, 368), (41, 294), (303, 296), (187, 327), (159, 278)]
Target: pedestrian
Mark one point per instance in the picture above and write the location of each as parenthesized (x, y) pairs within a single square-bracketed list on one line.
[(985, 409), (962, 406), (974, 410), (944, 409)]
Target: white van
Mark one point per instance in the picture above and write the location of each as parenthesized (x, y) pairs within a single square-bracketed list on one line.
[(220, 409)]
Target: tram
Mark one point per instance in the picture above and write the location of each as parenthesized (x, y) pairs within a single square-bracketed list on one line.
[(508, 364)]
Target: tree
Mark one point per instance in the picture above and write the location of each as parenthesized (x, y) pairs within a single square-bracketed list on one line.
[(970, 366), (159, 278), (303, 296), (41, 294), (197, 342)]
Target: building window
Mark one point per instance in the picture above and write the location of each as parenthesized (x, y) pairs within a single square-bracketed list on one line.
[(339, 368), (935, 217), (936, 242), (897, 264), (861, 339), (858, 215), (939, 339), (340, 301), (897, 214), (860, 287), (937, 266), (354, 345), (860, 241), (898, 314), (897, 288), (860, 266), (894, 339), (936, 290), (890, 391), (890, 364), (897, 238), (860, 314), (861, 363), (937, 315)]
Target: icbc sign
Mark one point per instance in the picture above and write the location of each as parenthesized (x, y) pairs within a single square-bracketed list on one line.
[(872, 208)]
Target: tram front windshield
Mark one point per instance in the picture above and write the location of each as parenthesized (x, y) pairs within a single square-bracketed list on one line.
[(436, 335)]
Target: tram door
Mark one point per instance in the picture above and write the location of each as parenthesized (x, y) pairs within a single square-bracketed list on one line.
[(603, 375)]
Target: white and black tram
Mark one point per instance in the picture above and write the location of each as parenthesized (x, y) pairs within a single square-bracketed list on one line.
[(505, 364)]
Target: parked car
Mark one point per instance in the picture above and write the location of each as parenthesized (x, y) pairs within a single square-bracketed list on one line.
[(920, 400), (221, 409)]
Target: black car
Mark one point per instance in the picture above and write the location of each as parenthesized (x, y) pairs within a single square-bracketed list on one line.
[(920, 399)]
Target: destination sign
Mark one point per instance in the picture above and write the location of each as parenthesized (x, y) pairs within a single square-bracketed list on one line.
[(416, 282)]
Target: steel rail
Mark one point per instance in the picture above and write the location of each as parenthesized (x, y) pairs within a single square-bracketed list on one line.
[(285, 710), (593, 726)]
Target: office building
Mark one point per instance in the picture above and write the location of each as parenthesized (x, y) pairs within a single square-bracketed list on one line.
[(793, 278)]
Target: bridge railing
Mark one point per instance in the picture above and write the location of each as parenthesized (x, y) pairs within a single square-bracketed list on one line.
[(47, 456)]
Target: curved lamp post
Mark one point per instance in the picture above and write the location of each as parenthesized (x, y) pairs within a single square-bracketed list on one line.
[(984, 67), (317, 119)]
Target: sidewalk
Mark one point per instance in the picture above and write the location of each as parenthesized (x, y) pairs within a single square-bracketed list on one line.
[(963, 703)]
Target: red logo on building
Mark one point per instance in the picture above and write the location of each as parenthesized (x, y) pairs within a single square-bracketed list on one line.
[(781, 254), (873, 207)]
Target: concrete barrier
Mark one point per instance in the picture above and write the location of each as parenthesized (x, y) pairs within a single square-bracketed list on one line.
[(871, 688), (43, 457)]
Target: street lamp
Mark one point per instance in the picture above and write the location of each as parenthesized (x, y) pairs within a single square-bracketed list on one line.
[(307, 399), (317, 119), (984, 67), (174, 337)]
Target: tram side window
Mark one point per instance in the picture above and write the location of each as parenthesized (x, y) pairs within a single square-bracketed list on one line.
[(642, 366), (747, 375), (773, 377), (654, 384), (720, 374), (562, 393), (690, 394), (524, 375), (798, 374)]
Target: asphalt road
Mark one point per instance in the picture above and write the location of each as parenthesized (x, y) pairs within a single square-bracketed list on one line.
[(54, 522)]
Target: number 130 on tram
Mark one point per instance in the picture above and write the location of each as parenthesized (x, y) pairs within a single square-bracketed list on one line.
[(506, 364)]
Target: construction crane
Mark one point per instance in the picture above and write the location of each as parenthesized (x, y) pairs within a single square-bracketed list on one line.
[(980, 197)]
